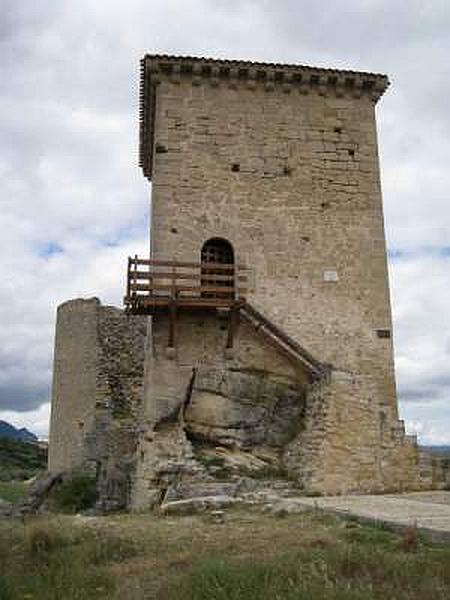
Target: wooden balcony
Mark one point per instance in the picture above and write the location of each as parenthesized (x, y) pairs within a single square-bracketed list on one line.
[(156, 285), (166, 286)]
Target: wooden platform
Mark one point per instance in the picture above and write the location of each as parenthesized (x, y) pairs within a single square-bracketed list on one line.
[(155, 285)]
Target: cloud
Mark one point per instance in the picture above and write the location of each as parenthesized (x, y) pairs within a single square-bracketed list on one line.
[(73, 203), (35, 420)]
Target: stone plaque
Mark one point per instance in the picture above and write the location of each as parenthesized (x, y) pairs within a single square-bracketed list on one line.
[(330, 276)]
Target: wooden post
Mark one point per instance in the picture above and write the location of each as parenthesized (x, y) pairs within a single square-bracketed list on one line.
[(232, 319), (172, 323), (128, 277)]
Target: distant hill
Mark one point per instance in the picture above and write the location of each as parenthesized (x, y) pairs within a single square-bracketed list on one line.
[(437, 449), (9, 431), (20, 460)]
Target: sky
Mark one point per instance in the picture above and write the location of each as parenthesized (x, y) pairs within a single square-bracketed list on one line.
[(74, 203)]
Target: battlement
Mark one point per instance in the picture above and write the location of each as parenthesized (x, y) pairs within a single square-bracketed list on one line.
[(290, 78)]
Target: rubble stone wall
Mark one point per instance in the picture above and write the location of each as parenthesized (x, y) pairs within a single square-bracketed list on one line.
[(97, 394), (251, 398)]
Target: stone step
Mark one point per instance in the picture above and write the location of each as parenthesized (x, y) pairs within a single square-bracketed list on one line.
[(183, 491), (190, 506), (236, 488)]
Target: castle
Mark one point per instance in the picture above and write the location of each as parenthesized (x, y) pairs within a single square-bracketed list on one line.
[(257, 334)]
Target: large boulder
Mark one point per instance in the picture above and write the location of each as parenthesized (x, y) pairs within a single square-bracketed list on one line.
[(243, 409)]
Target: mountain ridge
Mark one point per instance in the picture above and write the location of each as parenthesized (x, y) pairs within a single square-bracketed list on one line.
[(9, 431)]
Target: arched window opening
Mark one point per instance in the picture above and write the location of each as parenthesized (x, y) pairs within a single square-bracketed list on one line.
[(217, 252)]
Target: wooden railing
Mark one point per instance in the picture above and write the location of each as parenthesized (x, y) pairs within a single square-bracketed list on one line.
[(158, 283), (283, 341)]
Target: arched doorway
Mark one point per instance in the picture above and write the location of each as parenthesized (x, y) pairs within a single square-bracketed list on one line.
[(217, 251)]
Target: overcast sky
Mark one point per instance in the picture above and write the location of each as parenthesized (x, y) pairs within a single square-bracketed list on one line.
[(74, 203)]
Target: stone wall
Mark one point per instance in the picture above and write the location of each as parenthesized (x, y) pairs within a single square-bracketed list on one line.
[(304, 206), (249, 399), (97, 394), (74, 383), (434, 469), (291, 178), (348, 444), (331, 436)]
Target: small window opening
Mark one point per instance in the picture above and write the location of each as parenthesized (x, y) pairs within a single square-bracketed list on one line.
[(235, 167), (384, 333), (218, 253), (351, 152)]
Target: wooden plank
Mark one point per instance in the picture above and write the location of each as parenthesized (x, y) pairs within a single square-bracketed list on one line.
[(193, 276), (144, 287), (232, 320), (128, 276), (172, 324), (185, 265), (164, 301)]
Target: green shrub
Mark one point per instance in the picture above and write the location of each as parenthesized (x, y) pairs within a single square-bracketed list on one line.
[(12, 491), (75, 494), (47, 559)]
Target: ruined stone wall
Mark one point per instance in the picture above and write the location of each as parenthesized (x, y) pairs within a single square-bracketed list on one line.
[(251, 399), (434, 469), (74, 383), (97, 392), (351, 444)]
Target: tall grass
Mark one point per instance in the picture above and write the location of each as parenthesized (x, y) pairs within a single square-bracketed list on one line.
[(250, 556), (362, 564), (47, 560)]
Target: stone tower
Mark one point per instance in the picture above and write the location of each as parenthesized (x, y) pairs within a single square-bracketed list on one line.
[(266, 292)]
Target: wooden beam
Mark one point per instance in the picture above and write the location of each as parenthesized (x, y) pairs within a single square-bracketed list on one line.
[(192, 276), (225, 290), (172, 324), (185, 265), (232, 322)]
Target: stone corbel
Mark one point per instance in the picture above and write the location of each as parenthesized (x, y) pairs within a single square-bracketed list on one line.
[(287, 83), (322, 85), (233, 78), (214, 81), (251, 79), (155, 74), (196, 74), (357, 87), (377, 90), (270, 81), (340, 87), (176, 74), (305, 84)]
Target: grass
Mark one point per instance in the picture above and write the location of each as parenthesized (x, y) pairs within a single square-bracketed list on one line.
[(13, 491), (250, 556)]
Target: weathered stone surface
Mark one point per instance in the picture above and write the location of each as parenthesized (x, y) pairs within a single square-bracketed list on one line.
[(38, 493), (184, 491), (97, 395), (195, 505), (231, 407)]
